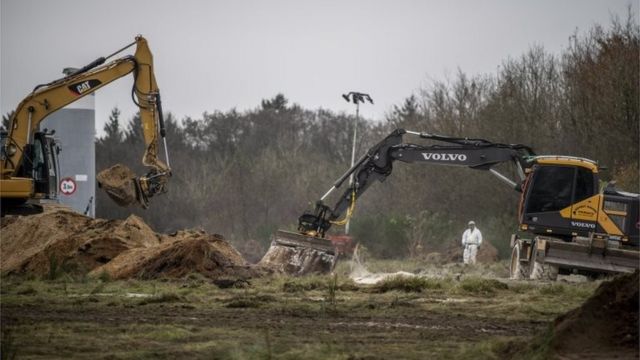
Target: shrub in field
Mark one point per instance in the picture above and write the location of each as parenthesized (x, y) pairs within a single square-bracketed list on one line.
[(407, 284), (309, 283), (306, 283)]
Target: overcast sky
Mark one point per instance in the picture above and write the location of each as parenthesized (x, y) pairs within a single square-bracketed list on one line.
[(217, 55)]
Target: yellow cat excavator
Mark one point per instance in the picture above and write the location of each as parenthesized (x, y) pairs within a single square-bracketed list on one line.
[(28, 158), (574, 226)]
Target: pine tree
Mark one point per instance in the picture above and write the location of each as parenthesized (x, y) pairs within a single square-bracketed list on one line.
[(113, 133)]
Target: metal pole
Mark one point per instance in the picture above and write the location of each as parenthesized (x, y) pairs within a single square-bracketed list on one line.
[(353, 156)]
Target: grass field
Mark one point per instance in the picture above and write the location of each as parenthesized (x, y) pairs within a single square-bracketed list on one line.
[(468, 313)]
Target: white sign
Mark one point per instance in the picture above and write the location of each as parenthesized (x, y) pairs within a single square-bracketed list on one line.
[(67, 186), (81, 177)]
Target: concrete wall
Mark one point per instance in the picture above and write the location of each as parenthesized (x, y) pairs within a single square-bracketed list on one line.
[(75, 133)]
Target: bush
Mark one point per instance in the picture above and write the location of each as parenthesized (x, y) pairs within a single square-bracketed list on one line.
[(309, 283), (306, 283), (407, 284)]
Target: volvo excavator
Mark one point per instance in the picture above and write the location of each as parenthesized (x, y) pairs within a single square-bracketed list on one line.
[(573, 225), (28, 158)]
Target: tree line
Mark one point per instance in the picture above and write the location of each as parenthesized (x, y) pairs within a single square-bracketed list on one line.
[(245, 174)]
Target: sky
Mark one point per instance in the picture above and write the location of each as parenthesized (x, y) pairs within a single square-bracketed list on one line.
[(219, 55)]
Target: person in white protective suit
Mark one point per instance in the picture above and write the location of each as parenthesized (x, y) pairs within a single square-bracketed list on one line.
[(471, 240)]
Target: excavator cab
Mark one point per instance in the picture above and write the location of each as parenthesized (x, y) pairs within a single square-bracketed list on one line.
[(38, 173), (44, 164), (577, 226), (561, 198), (552, 188)]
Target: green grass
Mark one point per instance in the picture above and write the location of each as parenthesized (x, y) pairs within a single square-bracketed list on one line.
[(165, 297), (279, 317), (317, 282), (480, 286), (409, 284), (8, 349), (248, 300)]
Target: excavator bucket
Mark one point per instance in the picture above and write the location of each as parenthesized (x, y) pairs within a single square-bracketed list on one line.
[(121, 184), (298, 254)]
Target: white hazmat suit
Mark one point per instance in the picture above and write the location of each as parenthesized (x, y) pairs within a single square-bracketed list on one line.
[(471, 240)]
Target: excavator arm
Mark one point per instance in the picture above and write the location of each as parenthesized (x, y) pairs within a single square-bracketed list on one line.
[(48, 98), (576, 227), (377, 164), (308, 251)]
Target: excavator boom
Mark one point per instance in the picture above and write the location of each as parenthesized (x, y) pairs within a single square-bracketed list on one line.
[(121, 184), (376, 165)]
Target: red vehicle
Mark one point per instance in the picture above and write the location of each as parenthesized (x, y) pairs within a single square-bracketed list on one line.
[(343, 243)]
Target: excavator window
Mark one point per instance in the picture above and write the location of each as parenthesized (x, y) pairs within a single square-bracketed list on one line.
[(38, 161), (3, 142), (552, 189), (585, 185), (42, 164)]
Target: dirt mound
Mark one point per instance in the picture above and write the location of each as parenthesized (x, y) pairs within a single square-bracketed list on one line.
[(453, 253), (119, 183), (180, 254), (607, 323), (30, 244), (60, 238)]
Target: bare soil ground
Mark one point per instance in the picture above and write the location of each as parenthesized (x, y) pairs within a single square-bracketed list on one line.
[(606, 325), (180, 254), (30, 244)]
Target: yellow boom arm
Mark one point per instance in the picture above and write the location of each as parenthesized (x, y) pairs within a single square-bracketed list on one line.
[(46, 99)]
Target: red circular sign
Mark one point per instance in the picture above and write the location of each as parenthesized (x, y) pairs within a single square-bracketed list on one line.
[(68, 186)]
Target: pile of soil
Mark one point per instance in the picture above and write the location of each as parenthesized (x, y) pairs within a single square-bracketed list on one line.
[(63, 239), (607, 323), (31, 243), (180, 254), (119, 183)]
